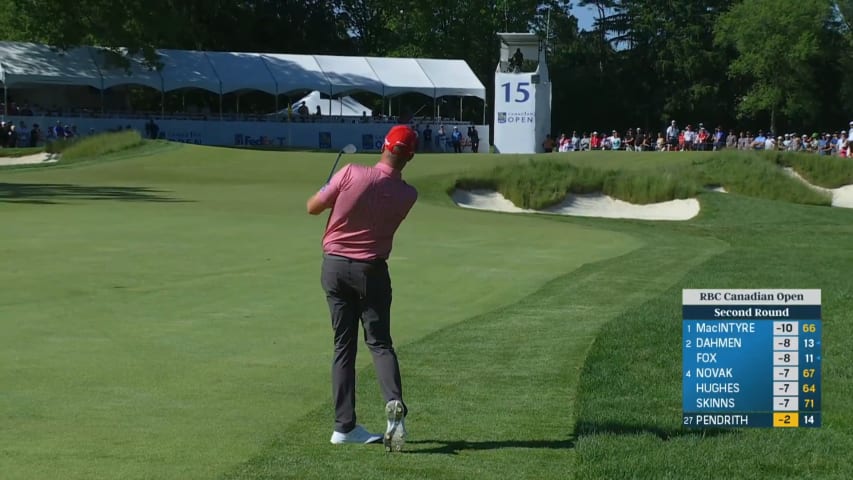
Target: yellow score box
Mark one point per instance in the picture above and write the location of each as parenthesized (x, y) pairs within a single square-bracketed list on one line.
[(786, 420)]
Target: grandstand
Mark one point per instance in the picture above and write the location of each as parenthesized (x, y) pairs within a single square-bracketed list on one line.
[(86, 87)]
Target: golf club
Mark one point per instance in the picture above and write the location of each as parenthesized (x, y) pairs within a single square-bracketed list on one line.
[(350, 148)]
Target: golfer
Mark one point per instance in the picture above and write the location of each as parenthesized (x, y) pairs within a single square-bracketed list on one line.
[(368, 204)]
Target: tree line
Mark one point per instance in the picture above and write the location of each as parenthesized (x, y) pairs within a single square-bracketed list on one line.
[(780, 64)]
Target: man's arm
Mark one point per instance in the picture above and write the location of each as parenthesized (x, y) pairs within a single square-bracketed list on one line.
[(316, 205), (327, 195)]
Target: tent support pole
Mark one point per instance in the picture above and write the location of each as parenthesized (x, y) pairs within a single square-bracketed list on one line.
[(220, 107), (460, 108), (5, 100), (162, 104)]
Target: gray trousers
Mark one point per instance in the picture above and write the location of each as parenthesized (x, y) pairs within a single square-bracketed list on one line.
[(358, 290)]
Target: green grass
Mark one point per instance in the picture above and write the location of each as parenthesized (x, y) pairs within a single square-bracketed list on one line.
[(629, 428), (162, 318), (825, 171), (751, 174), (540, 184), (545, 181), (96, 145)]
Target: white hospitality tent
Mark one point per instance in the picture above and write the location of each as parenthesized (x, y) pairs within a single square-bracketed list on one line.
[(29, 64), (344, 106), (136, 73)]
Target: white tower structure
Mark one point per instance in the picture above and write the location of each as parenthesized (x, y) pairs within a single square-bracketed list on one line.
[(522, 95)]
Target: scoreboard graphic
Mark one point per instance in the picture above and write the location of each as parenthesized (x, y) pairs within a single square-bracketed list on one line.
[(751, 358)]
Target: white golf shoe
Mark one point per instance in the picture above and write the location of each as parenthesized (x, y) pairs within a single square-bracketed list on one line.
[(357, 435), (395, 434)]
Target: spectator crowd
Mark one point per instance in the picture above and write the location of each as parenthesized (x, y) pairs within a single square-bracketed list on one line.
[(20, 135), (676, 139)]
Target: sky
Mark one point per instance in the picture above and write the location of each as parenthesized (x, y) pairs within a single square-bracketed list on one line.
[(586, 16)]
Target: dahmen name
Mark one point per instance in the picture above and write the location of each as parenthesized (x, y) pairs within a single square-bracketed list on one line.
[(752, 312)]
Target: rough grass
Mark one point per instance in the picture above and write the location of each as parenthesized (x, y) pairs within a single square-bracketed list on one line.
[(756, 175), (97, 145), (538, 183), (825, 171)]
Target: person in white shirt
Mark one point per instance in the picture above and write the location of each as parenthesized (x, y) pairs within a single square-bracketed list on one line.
[(615, 141), (563, 143), (689, 135), (672, 132), (769, 143)]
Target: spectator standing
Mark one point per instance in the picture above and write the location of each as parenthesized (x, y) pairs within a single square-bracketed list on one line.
[(474, 135), (548, 144), (441, 138), (563, 143), (585, 142), (759, 142), (428, 138), (456, 140), (672, 133), (629, 140), (35, 135)]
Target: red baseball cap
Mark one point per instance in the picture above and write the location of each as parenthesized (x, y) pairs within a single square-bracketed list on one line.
[(401, 140)]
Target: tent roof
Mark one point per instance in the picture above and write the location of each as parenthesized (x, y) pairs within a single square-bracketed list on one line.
[(137, 73), (452, 78), (30, 63), (242, 71), (188, 69), (225, 72), (296, 72), (347, 74), (401, 75)]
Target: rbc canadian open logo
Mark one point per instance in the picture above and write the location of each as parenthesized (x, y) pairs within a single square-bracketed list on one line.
[(501, 117)]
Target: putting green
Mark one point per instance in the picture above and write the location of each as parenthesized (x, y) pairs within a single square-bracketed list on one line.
[(163, 318)]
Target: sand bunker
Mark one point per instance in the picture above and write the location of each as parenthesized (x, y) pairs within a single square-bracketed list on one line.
[(594, 205), (29, 159), (841, 196)]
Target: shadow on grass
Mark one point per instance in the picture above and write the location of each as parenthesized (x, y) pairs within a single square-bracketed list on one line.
[(453, 447), (585, 429), (53, 193)]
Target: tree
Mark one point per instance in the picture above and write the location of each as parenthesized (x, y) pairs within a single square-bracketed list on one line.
[(778, 44), (142, 26)]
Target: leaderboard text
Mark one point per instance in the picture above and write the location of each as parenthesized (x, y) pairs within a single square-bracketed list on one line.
[(751, 358)]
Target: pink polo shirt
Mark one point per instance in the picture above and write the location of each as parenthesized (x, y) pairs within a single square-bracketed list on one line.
[(369, 205)]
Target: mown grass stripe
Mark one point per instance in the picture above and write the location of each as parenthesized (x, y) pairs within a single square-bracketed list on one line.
[(494, 393)]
